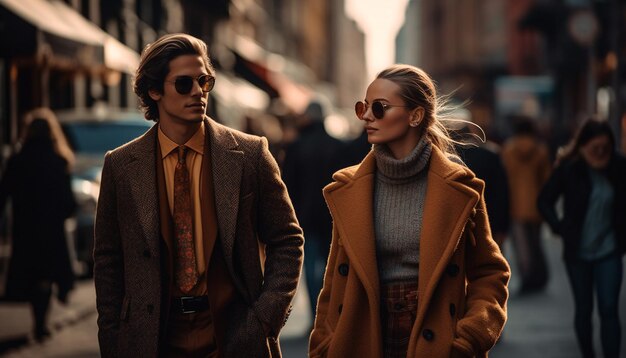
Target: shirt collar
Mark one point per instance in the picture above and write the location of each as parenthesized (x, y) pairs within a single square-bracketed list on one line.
[(195, 143)]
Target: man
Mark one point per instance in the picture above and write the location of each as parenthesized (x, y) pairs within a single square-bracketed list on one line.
[(527, 162), (197, 248), (483, 158)]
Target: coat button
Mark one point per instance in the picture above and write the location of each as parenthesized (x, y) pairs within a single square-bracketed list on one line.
[(453, 270), (343, 269), (146, 254), (452, 309), (150, 308), (428, 334)]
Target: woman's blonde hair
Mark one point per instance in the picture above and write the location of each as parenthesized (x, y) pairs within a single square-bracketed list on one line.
[(418, 90), (59, 142)]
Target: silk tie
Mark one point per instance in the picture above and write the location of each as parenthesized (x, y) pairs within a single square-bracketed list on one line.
[(186, 273)]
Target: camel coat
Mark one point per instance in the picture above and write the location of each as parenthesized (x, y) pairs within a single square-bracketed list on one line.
[(462, 274)]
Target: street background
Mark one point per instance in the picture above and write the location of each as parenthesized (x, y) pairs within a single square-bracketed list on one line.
[(555, 62)]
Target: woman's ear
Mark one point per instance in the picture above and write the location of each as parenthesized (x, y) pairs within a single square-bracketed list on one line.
[(155, 95), (416, 116)]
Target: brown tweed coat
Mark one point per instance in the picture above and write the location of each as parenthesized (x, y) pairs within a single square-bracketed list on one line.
[(462, 274), (253, 212)]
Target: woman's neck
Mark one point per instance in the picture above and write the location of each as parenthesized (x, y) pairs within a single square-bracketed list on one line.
[(401, 149)]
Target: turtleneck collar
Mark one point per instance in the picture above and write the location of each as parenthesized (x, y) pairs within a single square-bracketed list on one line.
[(394, 170)]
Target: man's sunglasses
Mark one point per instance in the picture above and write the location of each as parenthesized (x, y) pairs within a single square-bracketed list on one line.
[(378, 109), (184, 84)]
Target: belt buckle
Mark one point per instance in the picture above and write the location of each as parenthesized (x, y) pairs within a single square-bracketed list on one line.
[(183, 309)]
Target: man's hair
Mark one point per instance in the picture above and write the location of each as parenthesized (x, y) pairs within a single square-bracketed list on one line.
[(154, 67)]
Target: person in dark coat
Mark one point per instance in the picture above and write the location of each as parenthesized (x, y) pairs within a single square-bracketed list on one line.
[(591, 178), (484, 160), (309, 164), (37, 181), (356, 150)]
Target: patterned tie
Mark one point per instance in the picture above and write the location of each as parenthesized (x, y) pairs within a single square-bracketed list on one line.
[(185, 262)]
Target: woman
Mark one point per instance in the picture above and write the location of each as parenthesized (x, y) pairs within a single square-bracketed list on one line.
[(413, 270), (591, 178), (38, 182)]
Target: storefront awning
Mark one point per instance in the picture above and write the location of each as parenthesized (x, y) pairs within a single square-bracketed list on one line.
[(53, 31), (119, 57), (277, 75)]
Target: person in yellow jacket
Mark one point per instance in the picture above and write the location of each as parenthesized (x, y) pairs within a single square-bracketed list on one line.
[(526, 160), (413, 270)]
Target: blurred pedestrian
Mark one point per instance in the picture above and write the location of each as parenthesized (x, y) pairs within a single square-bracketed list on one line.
[(591, 178), (410, 226), (309, 164), (355, 150), (484, 160), (527, 163), (198, 251), (37, 181)]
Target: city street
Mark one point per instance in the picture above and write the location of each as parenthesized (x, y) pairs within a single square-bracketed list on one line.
[(221, 124), (539, 325)]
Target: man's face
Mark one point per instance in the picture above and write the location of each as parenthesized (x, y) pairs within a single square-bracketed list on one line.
[(182, 108)]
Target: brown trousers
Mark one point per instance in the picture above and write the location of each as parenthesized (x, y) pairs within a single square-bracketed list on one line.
[(190, 335)]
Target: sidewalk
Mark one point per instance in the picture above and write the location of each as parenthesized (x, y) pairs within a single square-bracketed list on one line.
[(541, 324), (16, 324)]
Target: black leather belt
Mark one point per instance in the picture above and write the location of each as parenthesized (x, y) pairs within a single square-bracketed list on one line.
[(190, 304)]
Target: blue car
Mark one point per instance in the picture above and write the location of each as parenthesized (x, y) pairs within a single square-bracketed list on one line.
[(91, 133)]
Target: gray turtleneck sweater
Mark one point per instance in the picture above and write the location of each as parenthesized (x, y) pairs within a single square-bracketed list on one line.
[(398, 206)]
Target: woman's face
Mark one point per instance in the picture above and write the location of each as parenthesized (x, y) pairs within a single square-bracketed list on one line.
[(393, 128), (597, 152)]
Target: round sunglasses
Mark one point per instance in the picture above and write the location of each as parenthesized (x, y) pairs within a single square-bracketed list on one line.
[(184, 84), (378, 109)]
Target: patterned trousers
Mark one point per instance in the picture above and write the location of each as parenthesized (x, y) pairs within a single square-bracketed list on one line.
[(398, 310)]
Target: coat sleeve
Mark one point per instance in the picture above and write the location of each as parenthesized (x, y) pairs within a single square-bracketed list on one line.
[(548, 196), (487, 277), (279, 230), (108, 264), (69, 201), (290, 175), (7, 184), (320, 336)]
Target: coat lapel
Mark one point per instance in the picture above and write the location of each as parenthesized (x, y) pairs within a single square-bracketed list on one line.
[(352, 207), (227, 167), (447, 207), (142, 178)]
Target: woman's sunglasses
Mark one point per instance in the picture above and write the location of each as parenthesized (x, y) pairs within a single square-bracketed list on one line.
[(378, 109), (184, 84)]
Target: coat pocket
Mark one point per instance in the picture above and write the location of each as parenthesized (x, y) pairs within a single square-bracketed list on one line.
[(125, 309), (322, 348)]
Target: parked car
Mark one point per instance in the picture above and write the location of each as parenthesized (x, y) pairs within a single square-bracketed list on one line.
[(91, 133)]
